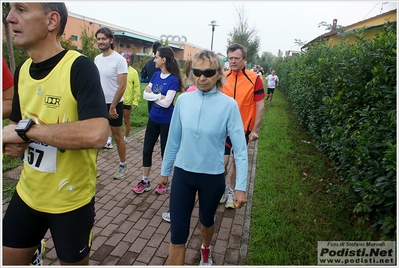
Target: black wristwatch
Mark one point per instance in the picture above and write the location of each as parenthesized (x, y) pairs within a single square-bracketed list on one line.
[(22, 127)]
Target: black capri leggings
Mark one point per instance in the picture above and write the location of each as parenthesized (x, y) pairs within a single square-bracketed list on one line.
[(182, 199), (152, 132)]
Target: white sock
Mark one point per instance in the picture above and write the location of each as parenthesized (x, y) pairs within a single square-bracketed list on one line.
[(122, 164), (145, 179), (231, 191), (109, 140)]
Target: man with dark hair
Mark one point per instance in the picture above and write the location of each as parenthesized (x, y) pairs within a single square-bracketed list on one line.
[(59, 121), (149, 69), (246, 88), (113, 73)]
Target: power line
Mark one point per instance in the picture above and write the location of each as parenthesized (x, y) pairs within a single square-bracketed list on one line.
[(371, 10)]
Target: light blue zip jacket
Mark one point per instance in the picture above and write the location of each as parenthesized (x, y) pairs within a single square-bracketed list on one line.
[(200, 124)]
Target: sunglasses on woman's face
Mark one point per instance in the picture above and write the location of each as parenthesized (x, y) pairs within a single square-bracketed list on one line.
[(206, 73)]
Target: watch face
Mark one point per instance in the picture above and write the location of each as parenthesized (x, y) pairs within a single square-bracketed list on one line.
[(22, 124)]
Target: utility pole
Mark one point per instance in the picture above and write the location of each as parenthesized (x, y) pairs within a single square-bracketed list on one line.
[(213, 24)]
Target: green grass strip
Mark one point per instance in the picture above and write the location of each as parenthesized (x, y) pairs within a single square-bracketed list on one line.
[(297, 199)]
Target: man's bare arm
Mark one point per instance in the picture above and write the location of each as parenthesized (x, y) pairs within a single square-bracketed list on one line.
[(260, 106), (122, 80), (85, 134)]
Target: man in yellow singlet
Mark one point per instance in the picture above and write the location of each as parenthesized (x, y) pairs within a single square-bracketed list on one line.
[(58, 122)]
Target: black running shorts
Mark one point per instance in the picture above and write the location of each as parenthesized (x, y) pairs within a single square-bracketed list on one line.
[(228, 145), (118, 121), (24, 227)]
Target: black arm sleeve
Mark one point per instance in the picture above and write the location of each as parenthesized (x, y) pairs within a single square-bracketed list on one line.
[(87, 90)]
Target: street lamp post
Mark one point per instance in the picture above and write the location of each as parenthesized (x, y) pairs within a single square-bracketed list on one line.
[(213, 24)]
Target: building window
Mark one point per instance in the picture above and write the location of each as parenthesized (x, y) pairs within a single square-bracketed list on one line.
[(127, 46), (74, 38), (121, 45)]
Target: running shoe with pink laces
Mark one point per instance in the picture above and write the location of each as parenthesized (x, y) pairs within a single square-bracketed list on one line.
[(142, 187)]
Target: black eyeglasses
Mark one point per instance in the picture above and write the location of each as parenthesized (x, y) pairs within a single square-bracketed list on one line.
[(206, 73)]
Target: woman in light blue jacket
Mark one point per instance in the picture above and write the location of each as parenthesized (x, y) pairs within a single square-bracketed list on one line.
[(195, 147)]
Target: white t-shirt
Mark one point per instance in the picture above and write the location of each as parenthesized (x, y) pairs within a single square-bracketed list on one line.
[(109, 68), (271, 80)]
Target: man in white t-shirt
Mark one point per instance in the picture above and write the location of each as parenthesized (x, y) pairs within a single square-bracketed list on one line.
[(113, 73), (272, 82)]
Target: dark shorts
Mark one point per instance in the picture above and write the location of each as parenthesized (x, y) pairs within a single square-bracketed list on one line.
[(127, 107), (185, 186), (24, 227), (228, 146), (119, 110), (270, 90)]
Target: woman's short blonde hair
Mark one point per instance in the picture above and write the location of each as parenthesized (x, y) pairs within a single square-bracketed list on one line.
[(215, 64), (189, 73)]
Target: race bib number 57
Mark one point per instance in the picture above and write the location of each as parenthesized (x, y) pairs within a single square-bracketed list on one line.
[(41, 157)]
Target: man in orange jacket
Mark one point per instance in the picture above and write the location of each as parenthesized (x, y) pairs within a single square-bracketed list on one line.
[(246, 88)]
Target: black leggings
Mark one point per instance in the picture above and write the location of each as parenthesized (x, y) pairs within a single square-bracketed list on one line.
[(185, 186), (152, 132)]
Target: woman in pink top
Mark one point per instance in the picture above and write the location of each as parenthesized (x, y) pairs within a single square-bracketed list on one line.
[(189, 77)]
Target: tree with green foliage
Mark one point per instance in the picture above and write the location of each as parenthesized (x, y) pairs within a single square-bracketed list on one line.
[(67, 43), (165, 42), (299, 42), (88, 43), (267, 61), (244, 35), (19, 55)]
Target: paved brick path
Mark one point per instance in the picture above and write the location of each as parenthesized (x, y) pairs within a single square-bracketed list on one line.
[(129, 230)]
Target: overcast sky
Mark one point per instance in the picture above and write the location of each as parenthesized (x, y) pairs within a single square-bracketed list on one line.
[(278, 24)]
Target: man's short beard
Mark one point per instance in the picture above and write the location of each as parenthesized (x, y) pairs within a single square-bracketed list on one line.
[(105, 48)]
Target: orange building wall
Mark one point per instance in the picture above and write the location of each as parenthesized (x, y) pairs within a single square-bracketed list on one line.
[(75, 26), (187, 52)]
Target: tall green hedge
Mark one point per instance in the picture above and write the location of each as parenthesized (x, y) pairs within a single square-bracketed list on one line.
[(345, 95)]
